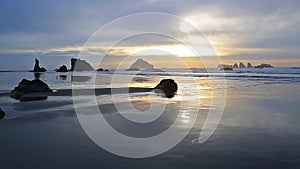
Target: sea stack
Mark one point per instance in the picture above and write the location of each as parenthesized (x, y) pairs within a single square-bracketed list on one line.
[(235, 65), (80, 65), (264, 65), (30, 90), (242, 65), (140, 64), (225, 67), (249, 65), (63, 68), (37, 67), (167, 86)]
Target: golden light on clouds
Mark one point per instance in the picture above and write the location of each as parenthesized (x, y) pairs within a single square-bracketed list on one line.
[(176, 50)]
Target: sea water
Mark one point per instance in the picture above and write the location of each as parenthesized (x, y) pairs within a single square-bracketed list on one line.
[(259, 127)]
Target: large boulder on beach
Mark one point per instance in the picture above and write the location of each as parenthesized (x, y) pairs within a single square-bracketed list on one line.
[(2, 114), (167, 86), (80, 65), (140, 64), (37, 67), (30, 90), (264, 65), (63, 68)]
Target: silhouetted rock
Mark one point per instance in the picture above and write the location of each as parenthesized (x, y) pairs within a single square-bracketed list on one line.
[(26, 87), (264, 65), (235, 65), (2, 114), (101, 70), (249, 65), (37, 67), (63, 68), (225, 67), (80, 65), (167, 86), (242, 65), (140, 64)]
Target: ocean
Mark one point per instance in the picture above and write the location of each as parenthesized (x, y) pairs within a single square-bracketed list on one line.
[(259, 127)]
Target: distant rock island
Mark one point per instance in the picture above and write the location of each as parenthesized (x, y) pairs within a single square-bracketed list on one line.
[(37, 67), (77, 65), (80, 65), (242, 66), (63, 68), (264, 65), (225, 67), (140, 64), (102, 69)]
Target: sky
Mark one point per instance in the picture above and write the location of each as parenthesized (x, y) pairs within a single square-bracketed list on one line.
[(237, 30)]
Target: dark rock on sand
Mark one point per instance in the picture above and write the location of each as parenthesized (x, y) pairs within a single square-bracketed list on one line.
[(167, 86), (80, 65), (37, 67), (264, 65), (106, 70), (27, 87), (63, 68), (2, 114)]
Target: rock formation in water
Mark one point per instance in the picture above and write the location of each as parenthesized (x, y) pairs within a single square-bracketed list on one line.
[(167, 86), (2, 114), (249, 65), (264, 65), (63, 68), (140, 64), (80, 65), (35, 90), (235, 65), (242, 65), (224, 67), (102, 69), (37, 67)]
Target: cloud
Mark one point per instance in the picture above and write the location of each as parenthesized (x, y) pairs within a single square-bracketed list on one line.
[(262, 29)]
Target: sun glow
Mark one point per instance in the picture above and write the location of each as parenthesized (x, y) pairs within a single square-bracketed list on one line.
[(177, 50)]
